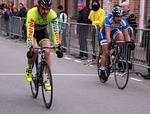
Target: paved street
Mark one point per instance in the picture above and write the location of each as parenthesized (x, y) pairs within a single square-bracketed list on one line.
[(77, 89)]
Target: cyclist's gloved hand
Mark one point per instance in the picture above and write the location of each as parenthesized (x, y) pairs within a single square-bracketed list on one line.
[(30, 53), (110, 46), (131, 46), (59, 52)]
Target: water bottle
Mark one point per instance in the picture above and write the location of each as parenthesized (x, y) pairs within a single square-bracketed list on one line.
[(38, 67)]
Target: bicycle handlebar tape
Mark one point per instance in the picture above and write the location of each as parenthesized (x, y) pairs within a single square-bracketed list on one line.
[(30, 54), (59, 53)]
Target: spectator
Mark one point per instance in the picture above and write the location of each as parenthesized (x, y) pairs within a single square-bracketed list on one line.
[(95, 17), (10, 8), (7, 13), (1, 5), (22, 12), (15, 10), (146, 36), (131, 19), (82, 30), (129, 15), (4, 5), (62, 17)]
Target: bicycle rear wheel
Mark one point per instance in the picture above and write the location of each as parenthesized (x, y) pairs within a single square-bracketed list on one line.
[(47, 94), (99, 66), (121, 72), (34, 83)]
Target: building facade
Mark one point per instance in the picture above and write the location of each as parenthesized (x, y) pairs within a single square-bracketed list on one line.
[(139, 7)]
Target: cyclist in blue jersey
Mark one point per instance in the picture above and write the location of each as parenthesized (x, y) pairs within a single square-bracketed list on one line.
[(109, 29)]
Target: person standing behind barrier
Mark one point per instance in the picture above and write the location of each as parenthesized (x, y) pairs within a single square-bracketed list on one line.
[(129, 15), (82, 30), (95, 17), (146, 41), (22, 12), (15, 10), (7, 13), (131, 20), (10, 8), (62, 17)]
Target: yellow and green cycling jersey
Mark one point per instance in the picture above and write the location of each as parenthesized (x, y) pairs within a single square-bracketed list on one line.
[(36, 23)]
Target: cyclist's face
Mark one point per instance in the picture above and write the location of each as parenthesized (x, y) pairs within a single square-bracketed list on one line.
[(44, 11), (117, 19)]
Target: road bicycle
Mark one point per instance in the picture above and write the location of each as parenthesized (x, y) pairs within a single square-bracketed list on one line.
[(40, 69), (117, 62)]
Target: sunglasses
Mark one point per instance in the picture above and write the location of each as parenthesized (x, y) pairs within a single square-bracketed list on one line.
[(45, 6)]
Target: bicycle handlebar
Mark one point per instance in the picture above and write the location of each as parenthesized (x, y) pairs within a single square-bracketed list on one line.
[(113, 42), (44, 47)]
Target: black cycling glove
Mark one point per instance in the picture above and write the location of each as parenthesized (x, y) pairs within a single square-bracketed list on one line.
[(30, 53), (131, 46), (59, 52)]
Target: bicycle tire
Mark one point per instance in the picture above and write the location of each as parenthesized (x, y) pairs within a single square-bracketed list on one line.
[(34, 83), (47, 94), (121, 73), (99, 65)]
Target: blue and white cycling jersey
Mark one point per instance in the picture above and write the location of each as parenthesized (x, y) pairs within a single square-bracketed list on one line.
[(114, 28)]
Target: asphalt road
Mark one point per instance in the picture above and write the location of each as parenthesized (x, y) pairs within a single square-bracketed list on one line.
[(77, 89)]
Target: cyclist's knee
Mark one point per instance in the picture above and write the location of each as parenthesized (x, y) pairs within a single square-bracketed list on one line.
[(106, 53), (35, 52), (47, 52)]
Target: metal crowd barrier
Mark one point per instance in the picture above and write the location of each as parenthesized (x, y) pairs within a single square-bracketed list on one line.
[(84, 34), (64, 34), (71, 31), (13, 25), (142, 48)]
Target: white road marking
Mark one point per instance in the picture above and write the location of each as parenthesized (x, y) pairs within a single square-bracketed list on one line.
[(77, 61), (136, 79), (67, 58)]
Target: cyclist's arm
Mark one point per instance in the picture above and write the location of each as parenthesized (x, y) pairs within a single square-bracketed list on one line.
[(30, 30), (107, 30), (127, 36), (55, 30)]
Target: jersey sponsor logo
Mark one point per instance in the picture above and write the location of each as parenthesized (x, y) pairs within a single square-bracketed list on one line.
[(57, 38), (55, 25), (31, 25)]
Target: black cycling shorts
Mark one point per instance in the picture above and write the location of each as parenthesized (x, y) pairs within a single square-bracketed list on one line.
[(39, 35)]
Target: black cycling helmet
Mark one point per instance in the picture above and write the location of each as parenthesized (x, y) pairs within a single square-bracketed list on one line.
[(45, 3), (117, 11)]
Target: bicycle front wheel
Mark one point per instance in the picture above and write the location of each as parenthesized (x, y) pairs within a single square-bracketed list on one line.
[(34, 83), (121, 73), (47, 93)]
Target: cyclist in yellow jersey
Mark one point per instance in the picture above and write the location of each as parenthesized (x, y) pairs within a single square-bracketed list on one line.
[(35, 33)]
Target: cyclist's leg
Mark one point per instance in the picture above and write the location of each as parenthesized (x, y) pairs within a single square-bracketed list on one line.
[(103, 42), (31, 62), (118, 35), (43, 40), (47, 51)]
